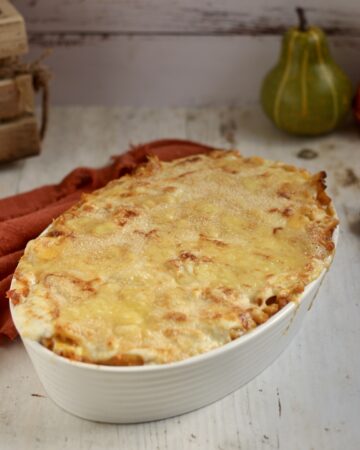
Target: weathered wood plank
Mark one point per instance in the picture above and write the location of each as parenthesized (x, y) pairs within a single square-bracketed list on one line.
[(189, 53), (19, 139), (16, 97), (170, 70), (90, 136), (309, 398), (13, 38), (200, 17)]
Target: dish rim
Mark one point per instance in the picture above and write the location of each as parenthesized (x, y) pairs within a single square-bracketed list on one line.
[(292, 306)]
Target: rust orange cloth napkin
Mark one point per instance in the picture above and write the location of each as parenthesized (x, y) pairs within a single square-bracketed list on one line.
[(25, 216)]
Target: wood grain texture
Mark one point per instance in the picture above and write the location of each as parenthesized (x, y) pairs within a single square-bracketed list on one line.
[(19, 139), (162, 71), (13, 38), (173, 17), (16, 97), (309, 398), (174, 52)]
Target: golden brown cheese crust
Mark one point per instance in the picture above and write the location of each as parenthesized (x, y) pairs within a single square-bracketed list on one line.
[(174, 260)]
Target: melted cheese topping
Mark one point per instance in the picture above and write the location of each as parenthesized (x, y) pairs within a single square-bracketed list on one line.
[(174, 260)]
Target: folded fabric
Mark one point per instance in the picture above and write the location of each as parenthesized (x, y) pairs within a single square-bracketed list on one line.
[(24, 216)]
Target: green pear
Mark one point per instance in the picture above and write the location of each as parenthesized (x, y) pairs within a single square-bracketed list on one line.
[(306, 93)]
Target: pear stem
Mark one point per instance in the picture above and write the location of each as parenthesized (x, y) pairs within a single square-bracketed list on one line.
[(303, 25)]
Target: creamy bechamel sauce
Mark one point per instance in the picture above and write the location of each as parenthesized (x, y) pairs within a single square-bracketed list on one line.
[(174, 260)]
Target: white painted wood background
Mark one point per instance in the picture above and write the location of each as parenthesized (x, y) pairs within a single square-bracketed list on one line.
[(175, 52), (309, 399)]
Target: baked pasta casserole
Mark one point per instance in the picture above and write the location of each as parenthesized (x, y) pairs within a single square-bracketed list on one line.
[(174, 260)]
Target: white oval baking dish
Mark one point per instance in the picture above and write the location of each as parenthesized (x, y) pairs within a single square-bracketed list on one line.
[(144, 393)]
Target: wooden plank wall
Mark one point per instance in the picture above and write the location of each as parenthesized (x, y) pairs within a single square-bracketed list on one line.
[(175, 52)]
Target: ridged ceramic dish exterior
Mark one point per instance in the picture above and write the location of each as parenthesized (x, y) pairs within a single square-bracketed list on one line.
[(138, 394), (145, 393)]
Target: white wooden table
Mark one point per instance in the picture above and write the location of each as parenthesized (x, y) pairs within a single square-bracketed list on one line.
[(309, 399)]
